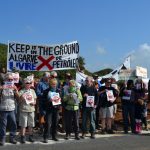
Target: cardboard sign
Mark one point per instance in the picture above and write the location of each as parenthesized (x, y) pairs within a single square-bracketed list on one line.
[(110, 96), (28, 97), (55, 97), (90, 101), (127, 95)]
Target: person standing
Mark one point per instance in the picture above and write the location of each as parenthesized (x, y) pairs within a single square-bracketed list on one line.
[(8, 96), (27, 103), (127, 94), (89, 104), (72, 99), (52, 106), (40, 88), (107, 97)]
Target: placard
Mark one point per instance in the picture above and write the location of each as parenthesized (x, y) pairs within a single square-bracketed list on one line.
[(28, 97), (90, 101), (110, 96), (55, 97)]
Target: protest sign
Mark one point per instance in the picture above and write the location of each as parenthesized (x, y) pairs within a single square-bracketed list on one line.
[(28, 97), (90, 101), (27, 57), (110, 96), (55, 98)]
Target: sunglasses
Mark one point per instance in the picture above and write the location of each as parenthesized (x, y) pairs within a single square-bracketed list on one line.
[(10, 79), (28, 83)]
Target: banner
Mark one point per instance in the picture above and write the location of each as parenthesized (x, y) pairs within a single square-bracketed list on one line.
[(26, 57), (126, 74), (141, 72)]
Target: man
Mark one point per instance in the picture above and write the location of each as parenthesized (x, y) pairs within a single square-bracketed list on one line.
[(41, 87), (90, 99)]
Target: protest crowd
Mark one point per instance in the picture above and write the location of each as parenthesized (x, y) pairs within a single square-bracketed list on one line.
[(51, 106)]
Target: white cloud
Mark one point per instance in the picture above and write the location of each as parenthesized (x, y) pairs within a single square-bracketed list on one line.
[(141, 57), (101, 50)]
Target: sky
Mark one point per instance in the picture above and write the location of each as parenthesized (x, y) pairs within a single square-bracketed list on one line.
[(107, 30)]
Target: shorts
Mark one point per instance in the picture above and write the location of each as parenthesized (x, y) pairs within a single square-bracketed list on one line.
[(26, 119), (107, 112)]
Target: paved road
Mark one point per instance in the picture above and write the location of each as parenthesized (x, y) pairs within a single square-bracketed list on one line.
[(102, 142)]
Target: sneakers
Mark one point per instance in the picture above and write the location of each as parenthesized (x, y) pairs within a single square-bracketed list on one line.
[(67, 136), (110, 131), (31, 138), (83, 135), (23, 139), (92, 135), (54, 139), (103, 131), (2, 142), (45, 140), (13, 140), (77, 137), (125, 131)]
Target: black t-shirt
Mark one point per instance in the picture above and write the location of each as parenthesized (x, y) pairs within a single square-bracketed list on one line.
[(91, 91), (103, 100)]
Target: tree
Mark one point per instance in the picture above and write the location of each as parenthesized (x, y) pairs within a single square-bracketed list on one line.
[(3, 55)]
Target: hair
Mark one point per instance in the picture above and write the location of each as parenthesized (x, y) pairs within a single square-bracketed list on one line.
[(129, 83), (53, 73), (52, 81), (46, 74), (72, 82), (8, 75)]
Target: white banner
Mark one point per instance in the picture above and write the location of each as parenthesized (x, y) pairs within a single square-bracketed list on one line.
[(141, 72), (42, 58)]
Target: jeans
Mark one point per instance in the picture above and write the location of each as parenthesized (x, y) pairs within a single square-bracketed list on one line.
[(51, 122), (88, 113), (10, 117), (128, 111)]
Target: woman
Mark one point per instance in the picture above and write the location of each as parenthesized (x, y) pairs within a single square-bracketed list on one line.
[(8, 96), (52, 106), (72, 99)]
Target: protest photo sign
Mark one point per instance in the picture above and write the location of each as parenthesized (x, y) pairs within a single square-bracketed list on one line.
[(28, 97), (55, 98), (110, 96), (90, 101)]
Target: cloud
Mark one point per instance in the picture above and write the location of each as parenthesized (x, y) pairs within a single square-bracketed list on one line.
[(101, 50), (140, 57)]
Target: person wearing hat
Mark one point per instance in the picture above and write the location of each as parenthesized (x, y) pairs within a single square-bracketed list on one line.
[(8, 97), (72, 98), (26, 110), (52, 106)]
